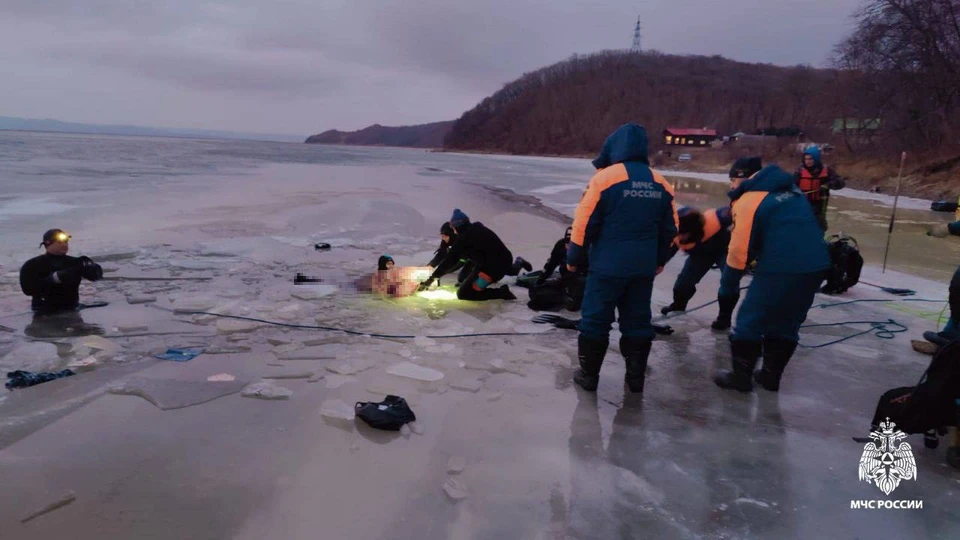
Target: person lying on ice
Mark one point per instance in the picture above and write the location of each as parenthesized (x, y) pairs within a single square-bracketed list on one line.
[(396, 281), (773, 225), (490, 258)]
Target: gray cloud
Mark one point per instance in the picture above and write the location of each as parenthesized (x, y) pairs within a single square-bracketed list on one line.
[(299, 65)]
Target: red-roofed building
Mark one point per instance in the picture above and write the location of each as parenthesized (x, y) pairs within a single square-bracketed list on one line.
[(688, 137)]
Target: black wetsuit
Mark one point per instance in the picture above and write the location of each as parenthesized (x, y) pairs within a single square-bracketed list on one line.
[(37, 280), (441, 253), (569, 288), (490, 258)]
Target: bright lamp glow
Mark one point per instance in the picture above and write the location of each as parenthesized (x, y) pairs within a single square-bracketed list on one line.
[(438, 294)]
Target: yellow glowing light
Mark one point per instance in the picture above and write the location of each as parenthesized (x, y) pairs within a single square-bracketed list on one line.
[(438, 294), (62, 237)]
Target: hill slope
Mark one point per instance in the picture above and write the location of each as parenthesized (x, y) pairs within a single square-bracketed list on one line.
[(570, 107), (420, 136)]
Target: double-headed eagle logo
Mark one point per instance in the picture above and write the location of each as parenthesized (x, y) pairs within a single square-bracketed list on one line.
[(886, 461)]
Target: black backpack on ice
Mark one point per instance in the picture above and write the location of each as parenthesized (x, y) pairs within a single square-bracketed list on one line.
[(932, 403), (845, 264)]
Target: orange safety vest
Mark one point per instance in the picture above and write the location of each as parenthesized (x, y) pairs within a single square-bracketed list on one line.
[(810, 185), (711, 226)]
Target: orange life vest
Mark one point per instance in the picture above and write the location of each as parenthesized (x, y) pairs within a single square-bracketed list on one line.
[(810, 185), (711, 226)]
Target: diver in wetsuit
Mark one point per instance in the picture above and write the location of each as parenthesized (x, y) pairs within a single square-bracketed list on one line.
[(490, 258), (53, 279), (447, 237)]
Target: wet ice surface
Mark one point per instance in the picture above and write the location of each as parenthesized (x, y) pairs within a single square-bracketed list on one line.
[(504, 446)]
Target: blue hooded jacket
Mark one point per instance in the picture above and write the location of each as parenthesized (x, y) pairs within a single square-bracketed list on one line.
[(814, 152), (627, 218), (774, 226)]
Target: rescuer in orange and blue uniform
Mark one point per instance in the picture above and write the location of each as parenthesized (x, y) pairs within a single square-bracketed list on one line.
[(773, 226), (704, 238), (816, 180), (626, 221)]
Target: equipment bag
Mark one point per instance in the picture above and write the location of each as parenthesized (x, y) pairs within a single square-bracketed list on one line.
[(932, 403), (547, 296), (845, 264), (390, 414)]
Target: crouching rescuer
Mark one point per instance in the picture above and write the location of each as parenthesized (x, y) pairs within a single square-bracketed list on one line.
[(704, 238), (626, 222), (774, 226), (487, 255)]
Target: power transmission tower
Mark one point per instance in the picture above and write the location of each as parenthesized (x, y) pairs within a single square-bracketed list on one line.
[(636, 38)]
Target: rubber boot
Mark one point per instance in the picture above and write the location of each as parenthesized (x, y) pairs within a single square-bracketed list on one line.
[(520, 264), (635, 352), (745, 356), (680, 301), (590, 353), (725, 316), (505, 293), (776, 356), (936, 339)]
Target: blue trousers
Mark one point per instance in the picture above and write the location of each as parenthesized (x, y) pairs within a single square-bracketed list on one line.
[(696, 266), (776, 306), (629, 297)]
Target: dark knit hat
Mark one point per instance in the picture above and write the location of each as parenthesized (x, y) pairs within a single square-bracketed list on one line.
[(446, 229), (54, 235), (746, 167), (459, 218)]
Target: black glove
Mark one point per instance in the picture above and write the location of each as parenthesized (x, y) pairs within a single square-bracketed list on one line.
[(92, 271), (423, 285), (67, 275)]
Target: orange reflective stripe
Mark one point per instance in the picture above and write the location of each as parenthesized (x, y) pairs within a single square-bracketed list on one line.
[(711, 227), (711, 224), (658, 178), (588, 203), (744, 210)]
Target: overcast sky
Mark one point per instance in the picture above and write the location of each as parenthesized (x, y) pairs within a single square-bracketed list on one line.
[(303, 66)]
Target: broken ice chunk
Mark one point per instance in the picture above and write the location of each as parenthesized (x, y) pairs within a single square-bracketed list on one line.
[(266, 390), (141, 299), (467, 385), (233, 326), (413, 371), (99, 343), (312, 292), (310, 353), (85, 364), (289, 375), (456, 464), (336, 409), (495, 396), (455, 489), (221, 377)]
